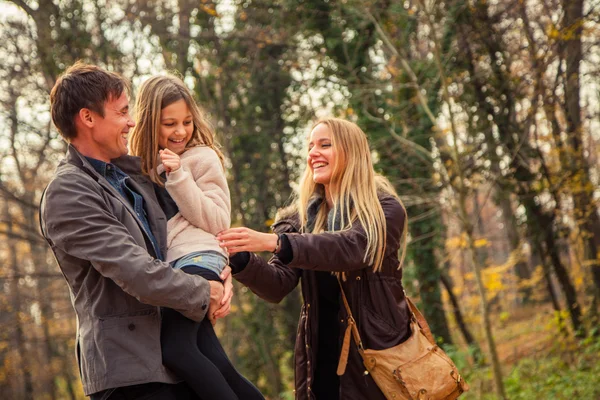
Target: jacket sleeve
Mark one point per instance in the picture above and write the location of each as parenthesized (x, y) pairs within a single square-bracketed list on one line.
[(76, 220), (199, 188), (271, 280), (345, 250)]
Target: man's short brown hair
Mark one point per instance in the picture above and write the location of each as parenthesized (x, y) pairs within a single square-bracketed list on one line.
[(82, 86)]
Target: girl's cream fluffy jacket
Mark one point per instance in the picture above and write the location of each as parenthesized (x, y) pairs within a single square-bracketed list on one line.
[(199, 188)]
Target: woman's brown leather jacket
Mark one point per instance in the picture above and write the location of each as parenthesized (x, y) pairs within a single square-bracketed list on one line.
[(376, 298)]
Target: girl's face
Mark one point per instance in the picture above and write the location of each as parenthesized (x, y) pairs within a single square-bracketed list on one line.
[(176, 127), (321, 154)]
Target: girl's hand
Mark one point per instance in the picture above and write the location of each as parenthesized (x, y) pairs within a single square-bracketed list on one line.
[(235, 240), (170, 160)]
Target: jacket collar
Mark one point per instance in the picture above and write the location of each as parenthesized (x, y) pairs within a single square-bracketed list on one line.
[(311, 211), (131, 165), (74, 157), (333, 221)]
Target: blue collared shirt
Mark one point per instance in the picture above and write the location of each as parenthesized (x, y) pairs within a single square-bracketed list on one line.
[(119, 180)]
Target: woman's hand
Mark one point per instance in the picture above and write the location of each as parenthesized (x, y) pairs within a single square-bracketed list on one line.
[(170, 160), (235, 240)]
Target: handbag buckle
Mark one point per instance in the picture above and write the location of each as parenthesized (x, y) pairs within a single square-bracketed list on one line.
[(398, 377), (457, 378)]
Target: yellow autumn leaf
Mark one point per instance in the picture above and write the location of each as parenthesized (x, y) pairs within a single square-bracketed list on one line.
[(209, 10), (456, 242), (481, 243)]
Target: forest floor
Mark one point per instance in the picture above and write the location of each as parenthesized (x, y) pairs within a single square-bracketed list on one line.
[(538, 360)]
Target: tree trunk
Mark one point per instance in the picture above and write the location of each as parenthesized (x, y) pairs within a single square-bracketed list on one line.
[(485, 315), (428, 274), (541, 223), (510, 222), (460, 322), (586, 212), (16, 302), (38, 254)]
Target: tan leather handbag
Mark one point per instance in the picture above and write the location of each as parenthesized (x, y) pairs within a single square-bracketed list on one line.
[(415, 369)]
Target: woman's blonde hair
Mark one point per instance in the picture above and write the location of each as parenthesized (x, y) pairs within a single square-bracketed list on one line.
[(353, 187), (155, 94)]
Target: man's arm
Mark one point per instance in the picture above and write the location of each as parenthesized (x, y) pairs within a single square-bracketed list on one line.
[(76, 220)]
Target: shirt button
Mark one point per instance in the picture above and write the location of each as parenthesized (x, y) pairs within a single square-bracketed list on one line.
[(131, 327)]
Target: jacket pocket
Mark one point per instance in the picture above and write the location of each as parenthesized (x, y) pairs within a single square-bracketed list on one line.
[(131, 345), (377, 333)]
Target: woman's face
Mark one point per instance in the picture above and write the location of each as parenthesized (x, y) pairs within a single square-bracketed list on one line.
[(176, 127), (321, 154)]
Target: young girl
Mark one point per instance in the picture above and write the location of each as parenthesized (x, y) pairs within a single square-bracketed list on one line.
[(179, 153)]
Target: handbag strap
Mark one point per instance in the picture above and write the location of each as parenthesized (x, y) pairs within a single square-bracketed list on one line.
[(420, 319), (352, 329)]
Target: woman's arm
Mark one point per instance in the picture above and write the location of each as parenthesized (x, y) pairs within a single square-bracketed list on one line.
[(199, 188), (271, 280), (327, 251)]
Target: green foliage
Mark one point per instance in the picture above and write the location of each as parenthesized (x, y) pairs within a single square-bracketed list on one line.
[(560, 376)]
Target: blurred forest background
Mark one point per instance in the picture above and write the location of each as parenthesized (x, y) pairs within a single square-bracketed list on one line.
[(483, 113)]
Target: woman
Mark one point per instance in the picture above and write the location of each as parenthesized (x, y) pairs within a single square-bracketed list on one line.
[(347, 223)]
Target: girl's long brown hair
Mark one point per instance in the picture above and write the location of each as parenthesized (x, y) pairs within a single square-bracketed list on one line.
[(155, 94)]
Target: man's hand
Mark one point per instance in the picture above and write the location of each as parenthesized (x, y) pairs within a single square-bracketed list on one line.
[(216, 295), (170, 160), (225, 307)]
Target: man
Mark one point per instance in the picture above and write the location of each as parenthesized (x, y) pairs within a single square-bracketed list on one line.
[(108, 233)]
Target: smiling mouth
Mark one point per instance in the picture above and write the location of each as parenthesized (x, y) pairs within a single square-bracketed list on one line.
[(319, 165), (180, 141)]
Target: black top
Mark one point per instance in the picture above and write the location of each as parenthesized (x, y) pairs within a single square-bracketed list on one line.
[(326, 381), (165, 200)]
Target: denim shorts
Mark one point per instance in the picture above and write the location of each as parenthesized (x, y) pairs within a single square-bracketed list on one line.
[(210, 260)]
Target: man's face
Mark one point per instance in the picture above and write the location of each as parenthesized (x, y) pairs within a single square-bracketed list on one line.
[(109, 136)]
